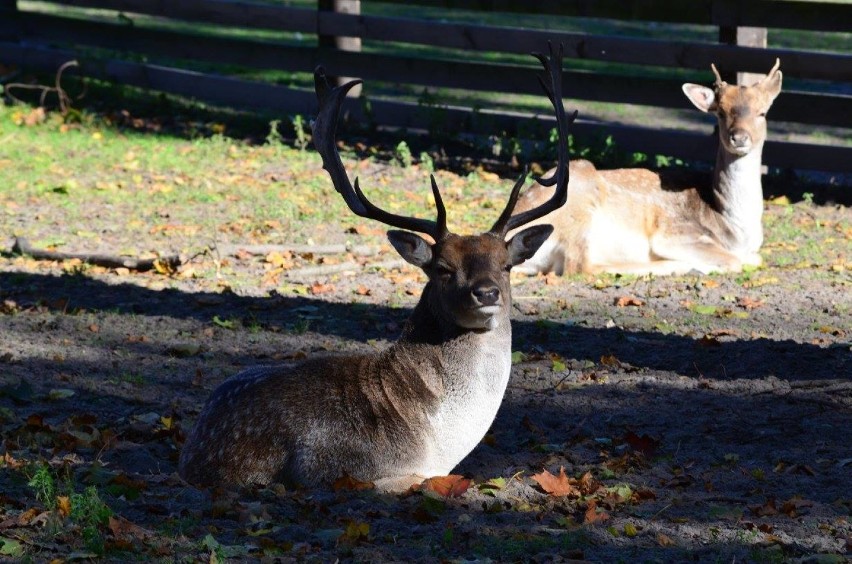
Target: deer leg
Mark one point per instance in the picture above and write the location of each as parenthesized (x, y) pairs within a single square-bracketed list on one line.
[(397, 484), (699, 252)]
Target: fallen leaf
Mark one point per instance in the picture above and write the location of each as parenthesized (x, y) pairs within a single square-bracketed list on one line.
[(363, 290), (748, 303), (347, 482), (793, 507), (625, 301), (610, 360), (453, 485), (645, 444), (355, 531), (319, 288), (765, 510), (664, 540), (592, 515), (123, 529), (63, 505), (557, 486)]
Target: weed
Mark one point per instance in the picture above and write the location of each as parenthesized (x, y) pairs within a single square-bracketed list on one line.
[(301, 326), (132, 378), (402, 154), (90, 513), (301, 134), (44, 484), (808, 197), (274, 137), (426, 162)]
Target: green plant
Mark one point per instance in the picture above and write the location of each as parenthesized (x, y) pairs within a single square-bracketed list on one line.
[(301, 134), (426, 162), (301, 326), (90, 513), (274, 137), (402, 154), (44, 484)]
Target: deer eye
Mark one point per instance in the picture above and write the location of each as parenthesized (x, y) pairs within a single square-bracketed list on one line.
[(508, 267), (443, 270)]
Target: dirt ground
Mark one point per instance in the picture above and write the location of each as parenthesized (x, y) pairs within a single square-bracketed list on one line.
[(713, 412)]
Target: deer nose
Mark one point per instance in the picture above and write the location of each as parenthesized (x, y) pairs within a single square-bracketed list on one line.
[(740, 138), (487, 295)]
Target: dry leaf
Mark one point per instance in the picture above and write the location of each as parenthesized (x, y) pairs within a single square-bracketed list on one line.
[(625, 301), (319, 288), (557, 486), (766, 509), (746, 302), (664, 540), (453, 485), (363, 290), (347, 482), (592, 515), (645, 444), (125, 530), (63, 505), (610, 360)]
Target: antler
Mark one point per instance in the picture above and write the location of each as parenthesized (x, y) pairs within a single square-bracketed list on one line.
[(553, 88), (773, 70), (719, 82), (324, 131)]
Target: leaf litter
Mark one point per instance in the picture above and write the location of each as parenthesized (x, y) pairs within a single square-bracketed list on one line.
[(641, 447)]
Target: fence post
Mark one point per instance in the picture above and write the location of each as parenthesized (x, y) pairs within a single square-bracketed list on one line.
[(341, 43), (744, 37)]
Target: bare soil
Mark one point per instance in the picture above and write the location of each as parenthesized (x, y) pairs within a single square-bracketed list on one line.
[(714, 412)]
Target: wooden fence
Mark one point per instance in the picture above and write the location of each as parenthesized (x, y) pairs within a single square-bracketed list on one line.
[(109, 44)]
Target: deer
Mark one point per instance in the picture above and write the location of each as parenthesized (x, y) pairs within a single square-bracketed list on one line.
[(415, 409), (636, 221)]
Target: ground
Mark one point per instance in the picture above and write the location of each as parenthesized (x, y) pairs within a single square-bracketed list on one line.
[(697, 418)]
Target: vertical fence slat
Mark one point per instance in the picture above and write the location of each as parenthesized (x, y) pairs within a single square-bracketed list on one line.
[(742, 36), (352, 7)]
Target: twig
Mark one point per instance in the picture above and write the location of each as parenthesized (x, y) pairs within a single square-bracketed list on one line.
[(22, 247), (64, 99), (357, 250), (327, 269)]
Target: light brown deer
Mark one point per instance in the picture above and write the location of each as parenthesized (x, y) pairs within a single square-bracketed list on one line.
[(414, 410), (635, 221)]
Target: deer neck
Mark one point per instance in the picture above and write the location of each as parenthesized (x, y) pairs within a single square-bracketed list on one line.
[(466, 372), (738, 197)]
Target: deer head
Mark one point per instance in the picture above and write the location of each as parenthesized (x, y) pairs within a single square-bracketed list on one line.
[(740, 110), (468, 275)]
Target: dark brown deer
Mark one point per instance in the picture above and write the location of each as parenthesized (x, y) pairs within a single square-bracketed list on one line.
[(414, 410), (636, 221)]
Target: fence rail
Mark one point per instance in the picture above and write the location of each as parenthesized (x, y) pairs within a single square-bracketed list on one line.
[(45, 40)]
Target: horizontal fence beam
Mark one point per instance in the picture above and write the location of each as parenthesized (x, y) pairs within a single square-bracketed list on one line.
[(269, 97), (226, 12), (517, 79), (822, 16), (677, 54)]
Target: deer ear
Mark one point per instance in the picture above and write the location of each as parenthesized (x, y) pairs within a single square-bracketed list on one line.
[(771, 85), (525, 243), (413, 248), (701, 97)]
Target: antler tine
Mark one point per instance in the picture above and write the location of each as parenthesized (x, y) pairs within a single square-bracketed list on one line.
[(774, 69), (324, 129), (553, 89), (500, 225), (719, 81)]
